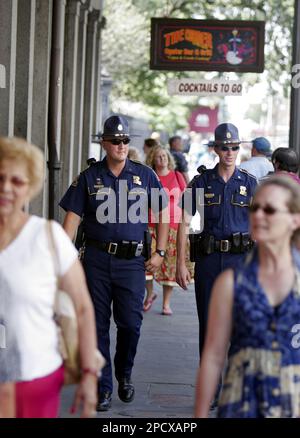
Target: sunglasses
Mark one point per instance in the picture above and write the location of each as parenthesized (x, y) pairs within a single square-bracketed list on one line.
[(227, 148), (117, 141), (267, 209)]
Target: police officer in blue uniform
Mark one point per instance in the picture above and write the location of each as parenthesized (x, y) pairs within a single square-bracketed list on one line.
[(225, 200), (112, 197)]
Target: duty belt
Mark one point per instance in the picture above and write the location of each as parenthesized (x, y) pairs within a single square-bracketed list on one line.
[(122, 250), (238, 243)]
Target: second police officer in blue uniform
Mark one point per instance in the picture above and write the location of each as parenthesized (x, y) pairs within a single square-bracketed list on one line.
[(112, 196), (227, 194)]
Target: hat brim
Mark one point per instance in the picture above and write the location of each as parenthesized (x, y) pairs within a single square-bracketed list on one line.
[(118, 135), (224, 142)]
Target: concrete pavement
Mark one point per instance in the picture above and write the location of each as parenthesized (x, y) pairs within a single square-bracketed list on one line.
[(165, 364)]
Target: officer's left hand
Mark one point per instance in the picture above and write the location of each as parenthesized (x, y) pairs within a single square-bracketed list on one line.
[(154, 263)]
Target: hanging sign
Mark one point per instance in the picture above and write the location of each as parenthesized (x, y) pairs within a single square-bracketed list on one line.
[(202, 87), (211, 45)]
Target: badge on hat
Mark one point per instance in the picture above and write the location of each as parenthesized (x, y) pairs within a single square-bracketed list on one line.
[(228, 135), (243, 190), (137, 180)]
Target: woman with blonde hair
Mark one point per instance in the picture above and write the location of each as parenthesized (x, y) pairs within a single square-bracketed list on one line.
[(161, 160), (28, 284), (255, 309)]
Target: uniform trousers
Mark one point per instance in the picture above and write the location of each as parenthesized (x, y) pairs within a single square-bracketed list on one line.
[(207, 268), (116, 285)]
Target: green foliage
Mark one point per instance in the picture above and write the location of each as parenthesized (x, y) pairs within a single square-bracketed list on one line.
[(126, 50)]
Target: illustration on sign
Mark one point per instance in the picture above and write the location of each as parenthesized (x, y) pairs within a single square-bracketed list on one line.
[(207, 45)]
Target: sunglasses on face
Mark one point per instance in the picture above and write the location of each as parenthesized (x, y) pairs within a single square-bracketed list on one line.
[(267, 209), (228, 148), (117, 141)]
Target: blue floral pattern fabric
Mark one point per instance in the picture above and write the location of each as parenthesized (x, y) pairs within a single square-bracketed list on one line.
[(262, 378)]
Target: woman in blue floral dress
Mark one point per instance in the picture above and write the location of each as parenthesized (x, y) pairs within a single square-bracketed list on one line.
[(256, 308)]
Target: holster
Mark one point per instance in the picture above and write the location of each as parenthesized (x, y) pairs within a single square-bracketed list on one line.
[(236, 243), (246, 242), (147, 245), (241, 243), (194, 239), (80, 237), (207, 244)]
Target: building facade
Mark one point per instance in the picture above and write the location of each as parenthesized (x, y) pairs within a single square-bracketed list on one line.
[(50, 84)]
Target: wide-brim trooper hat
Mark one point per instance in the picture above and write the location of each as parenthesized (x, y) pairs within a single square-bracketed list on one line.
[(116, 126), (226, 133)]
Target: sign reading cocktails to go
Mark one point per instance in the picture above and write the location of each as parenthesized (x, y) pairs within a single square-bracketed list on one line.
[(202, 87), (210, 45)]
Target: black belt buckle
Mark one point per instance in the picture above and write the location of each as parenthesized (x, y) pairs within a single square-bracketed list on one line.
[(224, 245), (112, 248), (139, 249)]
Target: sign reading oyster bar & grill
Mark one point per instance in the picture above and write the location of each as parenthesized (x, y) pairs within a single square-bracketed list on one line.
[(211, 45)]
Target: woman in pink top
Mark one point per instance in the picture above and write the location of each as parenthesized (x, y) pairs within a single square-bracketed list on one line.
[(174, 184)]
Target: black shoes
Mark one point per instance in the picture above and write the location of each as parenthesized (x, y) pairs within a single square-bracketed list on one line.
[(126, 390), (104, 403)]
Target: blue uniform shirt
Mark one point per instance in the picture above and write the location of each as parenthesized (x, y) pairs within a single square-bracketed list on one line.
[(97, 187), (226, 205)]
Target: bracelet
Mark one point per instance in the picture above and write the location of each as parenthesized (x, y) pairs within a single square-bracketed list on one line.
[(92, 371)]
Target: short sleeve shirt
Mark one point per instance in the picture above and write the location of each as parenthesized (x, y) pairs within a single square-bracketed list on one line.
[(224, 206), (115, 208)]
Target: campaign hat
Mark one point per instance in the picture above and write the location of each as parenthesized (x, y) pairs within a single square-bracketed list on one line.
[(226, 133)]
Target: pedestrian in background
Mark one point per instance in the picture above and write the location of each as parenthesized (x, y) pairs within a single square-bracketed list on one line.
[(254, 311), (174, 184), (286, 162), (134, 154), (28, 280), (259, 164), (227, 194), (115, 249), (149, 143), (181, 164)]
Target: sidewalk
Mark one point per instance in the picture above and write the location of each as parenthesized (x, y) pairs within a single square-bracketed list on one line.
[(165, 364)]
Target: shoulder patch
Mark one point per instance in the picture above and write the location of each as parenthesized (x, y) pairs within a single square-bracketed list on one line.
[(247, 173), (136, 161), (75, 182), (190, 184)]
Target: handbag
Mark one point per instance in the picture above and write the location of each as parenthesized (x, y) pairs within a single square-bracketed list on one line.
[(67, 326)]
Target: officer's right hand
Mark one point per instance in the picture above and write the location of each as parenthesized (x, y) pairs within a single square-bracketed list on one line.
[(183, 277)]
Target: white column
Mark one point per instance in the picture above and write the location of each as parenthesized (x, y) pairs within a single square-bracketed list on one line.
[(69, 90), (8, 26)]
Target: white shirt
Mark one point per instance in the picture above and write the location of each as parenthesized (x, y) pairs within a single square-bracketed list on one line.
[(257, 166), (27, 289)]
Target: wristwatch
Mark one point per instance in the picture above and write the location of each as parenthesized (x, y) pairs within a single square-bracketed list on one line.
[(161, 252)]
